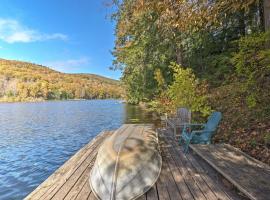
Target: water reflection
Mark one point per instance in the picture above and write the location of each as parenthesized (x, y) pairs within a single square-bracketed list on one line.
[(37, 138), (137, 114)]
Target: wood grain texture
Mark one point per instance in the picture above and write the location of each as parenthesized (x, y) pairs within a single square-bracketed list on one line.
[(182, 176), (248, 175)]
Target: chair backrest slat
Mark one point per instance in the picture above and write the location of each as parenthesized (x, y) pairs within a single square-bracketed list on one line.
[(213, 121), (184, 115)]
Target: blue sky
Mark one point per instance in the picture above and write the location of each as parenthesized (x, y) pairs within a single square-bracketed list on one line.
[(73, 36)]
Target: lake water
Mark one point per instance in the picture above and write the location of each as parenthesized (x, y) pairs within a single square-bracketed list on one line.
[(37, 138)]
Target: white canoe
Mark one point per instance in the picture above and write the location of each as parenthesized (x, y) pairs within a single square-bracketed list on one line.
[(128, 164)]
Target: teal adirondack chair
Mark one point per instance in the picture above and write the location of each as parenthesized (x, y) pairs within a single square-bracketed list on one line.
[(200, 136)]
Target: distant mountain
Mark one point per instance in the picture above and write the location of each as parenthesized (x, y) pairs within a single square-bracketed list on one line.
[(23, 81)]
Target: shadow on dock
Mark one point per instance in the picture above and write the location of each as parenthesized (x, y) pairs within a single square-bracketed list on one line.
[(182, 176)]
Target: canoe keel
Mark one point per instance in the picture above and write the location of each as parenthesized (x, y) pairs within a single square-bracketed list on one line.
[(127, 165)]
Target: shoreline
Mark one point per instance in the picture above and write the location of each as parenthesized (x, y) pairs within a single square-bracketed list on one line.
[(41, 101)]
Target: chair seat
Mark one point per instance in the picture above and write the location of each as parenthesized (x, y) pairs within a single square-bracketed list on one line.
[(196, 139), (201, 136)]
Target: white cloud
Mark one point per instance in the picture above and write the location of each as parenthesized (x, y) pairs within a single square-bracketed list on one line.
[(68, 65), (12, 31)]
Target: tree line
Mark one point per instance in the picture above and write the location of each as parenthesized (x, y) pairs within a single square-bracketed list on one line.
[(22, 81)]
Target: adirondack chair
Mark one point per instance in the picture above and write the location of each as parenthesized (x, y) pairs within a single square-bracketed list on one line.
[(183, 116), (200, 136)]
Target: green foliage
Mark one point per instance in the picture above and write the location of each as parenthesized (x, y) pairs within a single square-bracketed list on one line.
[(252, 63), (142, 52), (162, 104), (252, 59), (218, 44), (251, 100), (21, 81), (160, 79), (219, 69), (152, 34), (253, 143), (186, 91), (267, 138)]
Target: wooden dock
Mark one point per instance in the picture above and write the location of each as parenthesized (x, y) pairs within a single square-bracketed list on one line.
[(247, 174), (182, 176)]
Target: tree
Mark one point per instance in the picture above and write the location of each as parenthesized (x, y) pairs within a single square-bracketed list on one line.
[(267, 14), (186, 91), (198, 34), (28, 81)]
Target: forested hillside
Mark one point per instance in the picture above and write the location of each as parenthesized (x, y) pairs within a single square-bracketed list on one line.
[(204, 55), (22, 81)]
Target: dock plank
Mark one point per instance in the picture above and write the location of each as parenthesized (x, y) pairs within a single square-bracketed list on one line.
[(179, 180), (162, 190), (192, 185), (91, 196), (168, 181), (152, 193), (197, 175), (84, 193), (250, 177), (65, 188), (71, 174), (217, 191), (79, 184)]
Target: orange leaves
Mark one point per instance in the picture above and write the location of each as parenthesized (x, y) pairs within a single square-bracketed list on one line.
[(38, 82), (235, 5)]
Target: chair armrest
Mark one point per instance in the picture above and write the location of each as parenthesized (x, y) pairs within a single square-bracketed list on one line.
[(186, 125), (197, 132), (195, 124)]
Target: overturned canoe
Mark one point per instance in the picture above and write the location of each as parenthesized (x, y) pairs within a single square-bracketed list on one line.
[(127, 165)]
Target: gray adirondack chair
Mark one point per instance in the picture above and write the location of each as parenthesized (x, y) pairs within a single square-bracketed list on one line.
[(183, 116), (200, 136)]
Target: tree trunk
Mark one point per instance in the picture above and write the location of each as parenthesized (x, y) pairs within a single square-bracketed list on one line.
[(179, 56), (267, 15), (242, 23), (261, 15)]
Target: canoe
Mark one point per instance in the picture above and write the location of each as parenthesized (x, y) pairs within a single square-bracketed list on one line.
[(127, 165)]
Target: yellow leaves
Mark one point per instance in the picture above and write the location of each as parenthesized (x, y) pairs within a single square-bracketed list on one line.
[(235, 5), (186, 91), (183, 15), (159, 78), (29, 82)]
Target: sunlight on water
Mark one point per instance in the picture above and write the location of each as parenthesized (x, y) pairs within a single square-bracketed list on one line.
[(37, 138)]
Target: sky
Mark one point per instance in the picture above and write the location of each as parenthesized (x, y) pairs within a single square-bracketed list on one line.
[(72, 36)]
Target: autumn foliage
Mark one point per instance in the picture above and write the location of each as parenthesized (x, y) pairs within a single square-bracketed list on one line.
[(22, 81), (221, 53)]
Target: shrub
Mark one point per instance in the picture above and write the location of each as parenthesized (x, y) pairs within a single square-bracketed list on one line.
[(187, 91), (252, 63)]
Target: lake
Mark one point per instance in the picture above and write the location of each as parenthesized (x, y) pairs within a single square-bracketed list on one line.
[(37, 138)]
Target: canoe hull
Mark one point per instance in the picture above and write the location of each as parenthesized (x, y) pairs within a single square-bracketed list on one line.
[(127, 165)]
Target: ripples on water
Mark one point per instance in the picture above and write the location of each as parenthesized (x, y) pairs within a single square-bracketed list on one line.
[(37, 138)]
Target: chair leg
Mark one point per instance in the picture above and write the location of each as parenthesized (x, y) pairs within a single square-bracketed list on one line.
[(186, 147), (181, 141)]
